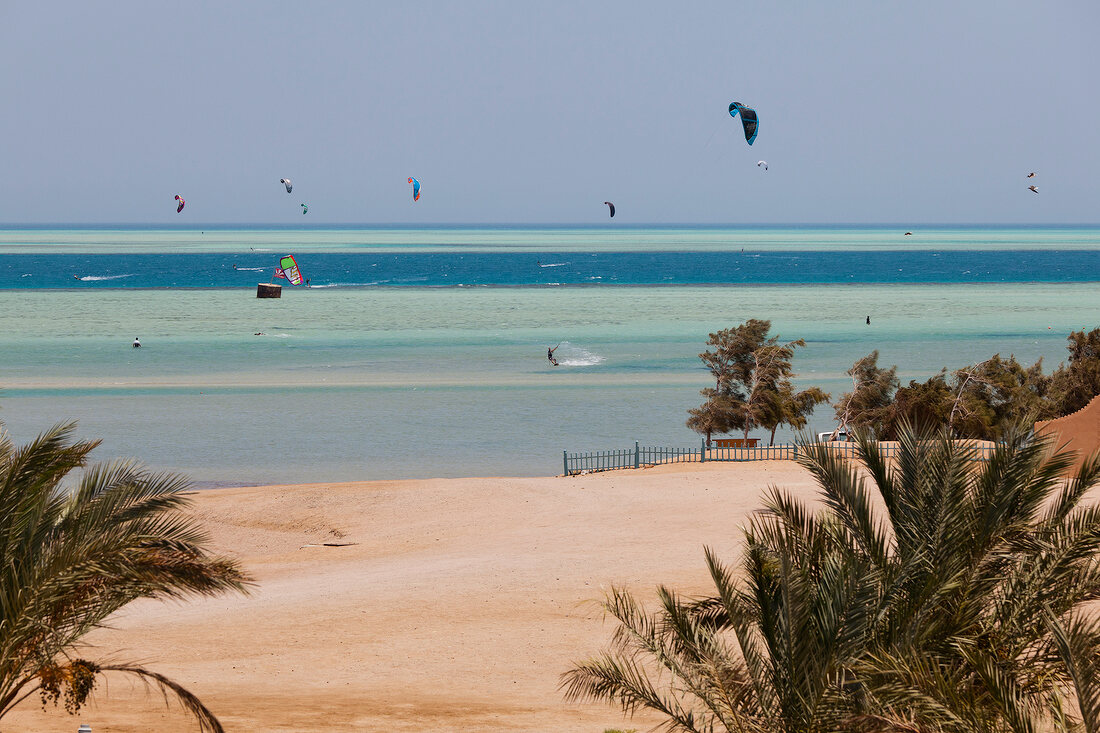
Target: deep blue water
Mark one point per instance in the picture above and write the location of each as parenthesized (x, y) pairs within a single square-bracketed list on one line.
[(515, 269)]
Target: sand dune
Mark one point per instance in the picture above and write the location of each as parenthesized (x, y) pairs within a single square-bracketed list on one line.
[(457, 608)]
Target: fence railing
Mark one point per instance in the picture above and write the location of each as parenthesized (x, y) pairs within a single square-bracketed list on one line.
[(638, 456)]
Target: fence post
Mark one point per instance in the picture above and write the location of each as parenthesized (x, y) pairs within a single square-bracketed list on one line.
[(635, 454), (565, 461), (702, 450)]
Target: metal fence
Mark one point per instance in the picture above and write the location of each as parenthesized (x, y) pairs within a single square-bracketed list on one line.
[(638, 456)]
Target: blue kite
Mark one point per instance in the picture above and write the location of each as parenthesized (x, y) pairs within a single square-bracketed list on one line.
[(748, 120)]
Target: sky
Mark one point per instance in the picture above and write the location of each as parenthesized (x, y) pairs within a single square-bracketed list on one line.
[(525, 112)]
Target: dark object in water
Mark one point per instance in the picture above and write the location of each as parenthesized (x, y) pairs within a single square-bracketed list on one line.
[(269, 290)]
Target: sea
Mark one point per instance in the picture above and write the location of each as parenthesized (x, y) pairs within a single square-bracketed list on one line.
[(421, 352)]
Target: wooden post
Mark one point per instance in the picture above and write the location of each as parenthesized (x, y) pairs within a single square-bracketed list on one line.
[(702, 450), (565, 460), (635, 454), (269, 290)]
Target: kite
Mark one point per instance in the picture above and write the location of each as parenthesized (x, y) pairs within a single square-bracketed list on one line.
[(748, 120), (180, 207), (612, 207), (304, 209), (286, 182), (416, 189), (762, 163)]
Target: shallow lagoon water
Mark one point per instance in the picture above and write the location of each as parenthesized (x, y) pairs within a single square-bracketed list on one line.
[(368, 382)]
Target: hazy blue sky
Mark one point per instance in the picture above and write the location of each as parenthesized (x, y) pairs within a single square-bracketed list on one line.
[(519, 111)]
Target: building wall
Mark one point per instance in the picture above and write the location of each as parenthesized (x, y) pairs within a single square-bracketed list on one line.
[(1078, 431)]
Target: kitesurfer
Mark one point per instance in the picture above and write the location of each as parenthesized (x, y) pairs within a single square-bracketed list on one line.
[(550, 355), (137, 342), (868, 320)]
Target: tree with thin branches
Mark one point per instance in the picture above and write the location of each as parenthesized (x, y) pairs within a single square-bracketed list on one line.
[(869, 406), (752, 375), (74, 550)]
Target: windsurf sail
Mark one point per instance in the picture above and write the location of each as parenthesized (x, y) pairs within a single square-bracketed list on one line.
[(289, 266)]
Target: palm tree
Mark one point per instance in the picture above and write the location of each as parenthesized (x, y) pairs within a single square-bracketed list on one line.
[(987, 571), (75, 550), (961, 605)]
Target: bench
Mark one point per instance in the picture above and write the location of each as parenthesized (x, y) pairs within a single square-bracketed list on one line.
[(736, 442)]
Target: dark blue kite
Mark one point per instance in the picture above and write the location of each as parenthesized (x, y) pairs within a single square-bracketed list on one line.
[(748, 120)]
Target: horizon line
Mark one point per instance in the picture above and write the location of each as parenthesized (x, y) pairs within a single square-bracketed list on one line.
[(549, 225)]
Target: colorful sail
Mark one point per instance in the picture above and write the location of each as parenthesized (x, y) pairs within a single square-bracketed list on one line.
[(289, 266)]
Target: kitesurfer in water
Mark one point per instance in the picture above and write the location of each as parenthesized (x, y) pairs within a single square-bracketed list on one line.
[(550, 355), (868, 320), (137, 343)]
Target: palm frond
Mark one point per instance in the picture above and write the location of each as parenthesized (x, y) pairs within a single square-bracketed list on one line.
[(208, 722), (1078, 644), (72, 556)]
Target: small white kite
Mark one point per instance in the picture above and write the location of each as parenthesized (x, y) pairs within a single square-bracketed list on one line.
[(762, 163)]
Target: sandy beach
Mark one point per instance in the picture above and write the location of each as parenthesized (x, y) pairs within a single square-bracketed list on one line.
[(457, 607)]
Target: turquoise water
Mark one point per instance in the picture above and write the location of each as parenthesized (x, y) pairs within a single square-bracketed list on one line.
[(365, 383)]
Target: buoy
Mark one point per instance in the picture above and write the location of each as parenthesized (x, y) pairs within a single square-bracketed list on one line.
[(269, 290)]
